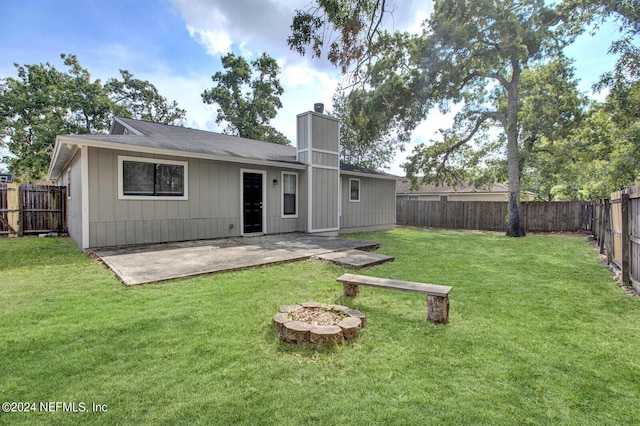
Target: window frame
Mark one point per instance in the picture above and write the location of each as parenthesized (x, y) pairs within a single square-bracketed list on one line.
[(297, 194), (121, 194), (69, 183), (353, 200)]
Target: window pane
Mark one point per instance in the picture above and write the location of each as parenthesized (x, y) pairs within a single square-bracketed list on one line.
[(355, 190), (289, 184), (169, 179), (137, 178), (289, 204), (289, 194)]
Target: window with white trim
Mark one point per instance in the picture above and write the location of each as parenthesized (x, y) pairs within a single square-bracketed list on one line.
[(354, 190), (289, 194), (148, 178)]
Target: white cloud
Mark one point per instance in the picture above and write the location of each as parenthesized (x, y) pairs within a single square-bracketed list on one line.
[(215, 42)]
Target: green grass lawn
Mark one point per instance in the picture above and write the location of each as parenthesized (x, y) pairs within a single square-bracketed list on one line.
[(539, 333)]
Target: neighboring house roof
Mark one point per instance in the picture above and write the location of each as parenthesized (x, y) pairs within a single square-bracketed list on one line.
[(404, 187), (129, 134)]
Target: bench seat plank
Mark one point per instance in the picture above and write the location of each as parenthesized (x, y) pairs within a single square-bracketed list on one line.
[(429, 289)]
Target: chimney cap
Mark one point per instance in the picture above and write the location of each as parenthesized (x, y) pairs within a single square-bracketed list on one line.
[(318, 107)]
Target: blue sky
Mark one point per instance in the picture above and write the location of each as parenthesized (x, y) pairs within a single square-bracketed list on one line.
[(177, 45)]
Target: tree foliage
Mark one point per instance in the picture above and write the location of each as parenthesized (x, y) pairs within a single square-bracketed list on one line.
[(140, 99), (471, 53), (42, 102), (248, 97), (602, 153), (365, 140)]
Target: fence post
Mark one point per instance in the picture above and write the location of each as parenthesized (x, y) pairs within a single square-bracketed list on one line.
[(608, 244), (626, 246), (604, 223), (13, 215)]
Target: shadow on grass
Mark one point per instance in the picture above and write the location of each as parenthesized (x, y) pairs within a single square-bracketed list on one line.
[(34, 252)]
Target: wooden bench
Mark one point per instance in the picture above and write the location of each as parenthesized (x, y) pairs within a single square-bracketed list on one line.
[(437, 295)]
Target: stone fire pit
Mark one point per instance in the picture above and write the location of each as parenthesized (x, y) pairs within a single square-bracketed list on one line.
[(318, 323)]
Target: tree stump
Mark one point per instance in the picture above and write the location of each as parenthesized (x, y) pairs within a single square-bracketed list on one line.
[(338, 308), (438, 309), (350, 290), (279, 320), (325, 334), (357, 314), (296, 332), (350, 327), (290, 309)]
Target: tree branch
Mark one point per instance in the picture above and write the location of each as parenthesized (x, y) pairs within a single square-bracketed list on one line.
[(488, 115)]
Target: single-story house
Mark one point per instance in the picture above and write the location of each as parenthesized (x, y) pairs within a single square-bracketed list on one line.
[(151, 183), (493, 192)]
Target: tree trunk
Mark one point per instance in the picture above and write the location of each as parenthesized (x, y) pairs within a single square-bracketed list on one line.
[(514, 228)]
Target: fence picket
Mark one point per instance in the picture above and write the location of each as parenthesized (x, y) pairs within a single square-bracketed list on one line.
[(39, 209), (492, 215)]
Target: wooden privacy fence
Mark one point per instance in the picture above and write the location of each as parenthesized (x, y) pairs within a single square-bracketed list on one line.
[(617, 229), (32, 209), (562, 216)]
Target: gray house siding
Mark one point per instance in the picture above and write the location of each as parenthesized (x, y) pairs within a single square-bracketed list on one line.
[(376, 209), (103, 214), (318, 147), (73, 173), (212, 209), (303, 203), (324, 133), (325, 200)]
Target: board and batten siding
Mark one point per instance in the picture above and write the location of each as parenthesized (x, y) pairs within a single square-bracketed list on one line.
[(325, 133), (325, 199), (376, 209), (318, 147), (73, 174), (212, 208)]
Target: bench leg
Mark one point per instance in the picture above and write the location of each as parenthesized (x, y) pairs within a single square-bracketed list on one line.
[(438, 309), (350, 290)]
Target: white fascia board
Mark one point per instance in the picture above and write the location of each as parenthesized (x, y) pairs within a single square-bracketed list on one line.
[(54, 159), (55, 169)]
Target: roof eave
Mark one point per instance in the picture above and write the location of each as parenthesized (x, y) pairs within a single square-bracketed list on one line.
[(58, 164), (95, 143), (370, 175)]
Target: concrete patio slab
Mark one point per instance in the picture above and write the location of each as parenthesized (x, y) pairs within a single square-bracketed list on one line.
[(355, 259), (161, 262)]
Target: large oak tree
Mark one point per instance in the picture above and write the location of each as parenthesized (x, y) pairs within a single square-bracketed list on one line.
[(43, 102), (471, 53), (248, 97)]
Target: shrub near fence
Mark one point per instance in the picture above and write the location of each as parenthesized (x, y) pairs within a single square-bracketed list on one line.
[(564, 216)]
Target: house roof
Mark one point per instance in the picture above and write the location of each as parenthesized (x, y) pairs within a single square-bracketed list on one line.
[(200, 141), (128, 134), (350, 169)]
